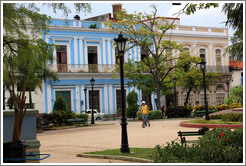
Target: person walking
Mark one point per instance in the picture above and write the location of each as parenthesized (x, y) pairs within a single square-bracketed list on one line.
[(145, 113)]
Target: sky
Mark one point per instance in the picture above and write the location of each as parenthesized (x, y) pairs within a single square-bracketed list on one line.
[(213, 17)]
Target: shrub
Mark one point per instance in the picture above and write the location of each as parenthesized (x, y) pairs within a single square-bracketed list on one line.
[(236, 105), (131, 110), (218, 116), (182, 111), (210, 107), (84, 116), (216, 146), (155, 114), (236, 95), (60, 104), (223, 107), (199, 108), (232, 117)]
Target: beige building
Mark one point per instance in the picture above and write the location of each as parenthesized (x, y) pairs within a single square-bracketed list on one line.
[(210, 43)]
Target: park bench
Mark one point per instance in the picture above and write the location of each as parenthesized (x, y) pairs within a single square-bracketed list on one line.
[(109, 117), (202, 112), (77, 121), (184, 134)]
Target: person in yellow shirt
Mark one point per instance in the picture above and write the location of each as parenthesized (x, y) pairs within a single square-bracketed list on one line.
[(145, 113)]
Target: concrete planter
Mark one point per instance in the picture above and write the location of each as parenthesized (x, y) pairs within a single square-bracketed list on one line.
[(28, 132)]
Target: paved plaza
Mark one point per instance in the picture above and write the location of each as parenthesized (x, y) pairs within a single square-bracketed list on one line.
[(64, 145)]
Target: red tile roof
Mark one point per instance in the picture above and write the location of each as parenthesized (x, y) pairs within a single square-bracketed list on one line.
[(236, 64)]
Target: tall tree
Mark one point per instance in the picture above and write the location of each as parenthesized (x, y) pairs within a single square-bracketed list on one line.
[(25, 54), (149, 32), (234, 12)]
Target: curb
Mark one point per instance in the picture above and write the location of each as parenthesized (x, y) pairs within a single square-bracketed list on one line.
[(193, 125), (133, 159)]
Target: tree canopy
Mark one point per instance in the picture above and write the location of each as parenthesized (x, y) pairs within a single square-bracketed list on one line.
[(153, 73)]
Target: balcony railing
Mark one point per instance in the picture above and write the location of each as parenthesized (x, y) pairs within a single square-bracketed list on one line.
[(82, 68), (108, 68)]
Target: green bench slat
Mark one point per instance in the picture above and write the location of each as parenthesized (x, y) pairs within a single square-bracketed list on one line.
[(77, 121)]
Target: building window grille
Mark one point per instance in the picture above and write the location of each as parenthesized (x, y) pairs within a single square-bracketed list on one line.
[(220, 97), (96, 100), (203, 53), (61, 57), (218, 59)]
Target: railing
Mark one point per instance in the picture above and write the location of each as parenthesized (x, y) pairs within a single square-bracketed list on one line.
[(108, 68), (82, 68)]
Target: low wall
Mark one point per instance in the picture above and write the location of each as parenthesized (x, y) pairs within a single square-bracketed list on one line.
[(28, 132)]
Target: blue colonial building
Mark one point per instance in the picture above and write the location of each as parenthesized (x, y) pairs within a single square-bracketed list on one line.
[(86, 50)]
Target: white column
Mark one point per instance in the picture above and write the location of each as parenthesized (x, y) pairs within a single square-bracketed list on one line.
[(103, 61), (86, 56), (49, 98), (113, 50), (77, 99), (75, 52), (109, 52), (110, 108), (211, 57), (81, 51), (194, 49), (79, 23), (69, 55), (226, 58), (74, 23), (54, 66), (99, 55)]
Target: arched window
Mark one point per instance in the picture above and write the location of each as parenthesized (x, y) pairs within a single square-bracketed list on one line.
[(218, 58), (203, 53)]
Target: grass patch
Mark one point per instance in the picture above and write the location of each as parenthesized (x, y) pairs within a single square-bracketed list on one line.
[(212, 121), (145, 153)]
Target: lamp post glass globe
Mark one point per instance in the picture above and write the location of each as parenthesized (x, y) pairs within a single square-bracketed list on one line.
[(120, 43), (92, 81), (202, 65)]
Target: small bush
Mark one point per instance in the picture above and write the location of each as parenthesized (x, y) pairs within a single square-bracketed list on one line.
[(60, 104), (155, 114), (232, 117), (83, 116), (223, 107), (182, 111), (131, 110), (199, 108), (218, 116), (236, 105), (216, 146)]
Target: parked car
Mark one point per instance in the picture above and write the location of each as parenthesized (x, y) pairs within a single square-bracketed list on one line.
[(97, 115)]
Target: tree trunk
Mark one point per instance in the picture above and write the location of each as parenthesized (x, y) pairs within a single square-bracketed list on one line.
[(187, 97)]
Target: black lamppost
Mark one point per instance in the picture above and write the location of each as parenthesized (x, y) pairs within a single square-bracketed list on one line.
[(175, 97), (203, 67), (228, 86), (85, 90), (92, 103), (121, 43)]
